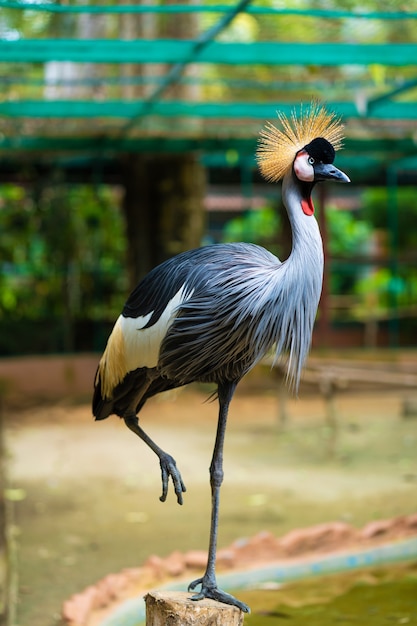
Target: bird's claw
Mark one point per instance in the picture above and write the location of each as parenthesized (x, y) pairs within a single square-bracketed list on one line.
[(169, 468), (211, 591)]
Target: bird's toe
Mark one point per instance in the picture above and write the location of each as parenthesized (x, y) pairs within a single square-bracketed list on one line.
[(195, 584), (169, 469), (214, 593)]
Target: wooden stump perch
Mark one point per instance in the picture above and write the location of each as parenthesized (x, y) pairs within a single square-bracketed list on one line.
[(175, 608)]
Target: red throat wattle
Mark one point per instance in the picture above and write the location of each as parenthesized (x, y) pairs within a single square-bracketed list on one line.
[(307, 206)]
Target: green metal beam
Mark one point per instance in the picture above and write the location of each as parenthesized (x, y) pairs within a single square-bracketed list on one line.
[(178, 51), (176, 108), (176, 71), (365, 160), (11, 145), (406, 86), (206, 8)]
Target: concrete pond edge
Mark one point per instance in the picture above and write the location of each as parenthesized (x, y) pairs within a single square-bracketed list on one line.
[(132, 611)]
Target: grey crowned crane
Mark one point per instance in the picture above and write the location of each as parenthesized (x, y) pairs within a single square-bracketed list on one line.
[(212, 313)]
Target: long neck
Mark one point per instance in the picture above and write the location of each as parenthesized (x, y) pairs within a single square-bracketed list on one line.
[(307, 245), (303, 276)]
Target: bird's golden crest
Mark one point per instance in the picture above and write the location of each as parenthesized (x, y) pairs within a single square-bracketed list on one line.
[(277, 148)]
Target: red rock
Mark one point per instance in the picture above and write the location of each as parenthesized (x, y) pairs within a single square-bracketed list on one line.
[(133, 573), (155, 566), (262, 547), (321, 536), (226, 557), (378, 527), (411, 521), (195, 559), (75, 610), (263, 538), (174, 564), (150, 577), (111, 586)]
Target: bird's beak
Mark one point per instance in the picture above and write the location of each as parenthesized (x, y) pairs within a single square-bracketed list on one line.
[(327, 171)]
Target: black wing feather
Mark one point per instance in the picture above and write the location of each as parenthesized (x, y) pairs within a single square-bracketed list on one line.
[(158, 287)]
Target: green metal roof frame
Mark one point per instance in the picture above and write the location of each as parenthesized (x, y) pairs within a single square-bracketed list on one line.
[(223, 152), (206, 8), (131, 114), (178, 108), (178, 51)]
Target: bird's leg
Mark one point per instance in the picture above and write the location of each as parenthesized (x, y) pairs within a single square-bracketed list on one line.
[(209, 588), (166, 461)]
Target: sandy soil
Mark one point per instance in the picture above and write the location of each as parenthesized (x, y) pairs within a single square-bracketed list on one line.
[(84, 495)]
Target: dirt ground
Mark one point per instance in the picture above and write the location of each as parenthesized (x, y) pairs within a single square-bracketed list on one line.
[(83, 496)]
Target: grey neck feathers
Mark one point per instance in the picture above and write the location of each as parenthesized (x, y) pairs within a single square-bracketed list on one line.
[(304, 277), (307, 242)]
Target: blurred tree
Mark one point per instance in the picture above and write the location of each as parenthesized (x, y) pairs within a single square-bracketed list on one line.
[(349, 237), (258, 226), (62, 254), (376, 208), (164, 213), (163, 208), (389, 291)]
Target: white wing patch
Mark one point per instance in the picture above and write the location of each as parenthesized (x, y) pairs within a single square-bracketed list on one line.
[(142, 344), (131, 346)]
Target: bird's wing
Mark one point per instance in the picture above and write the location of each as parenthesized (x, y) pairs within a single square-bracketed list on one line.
[(205, 289), (146, 317), (215, 334)]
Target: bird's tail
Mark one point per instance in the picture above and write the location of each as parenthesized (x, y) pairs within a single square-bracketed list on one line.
[(102, 407)]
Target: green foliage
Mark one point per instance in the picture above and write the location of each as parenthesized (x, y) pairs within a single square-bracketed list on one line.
[(348, 236), (382, 289), (375, 291), (378, 208), (258, 226), (61, 253)]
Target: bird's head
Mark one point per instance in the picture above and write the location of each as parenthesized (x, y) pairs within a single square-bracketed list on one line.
[(306, 145), (314, 163)]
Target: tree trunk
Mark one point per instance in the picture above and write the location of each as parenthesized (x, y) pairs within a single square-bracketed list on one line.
[(175, 608), (163, 207)]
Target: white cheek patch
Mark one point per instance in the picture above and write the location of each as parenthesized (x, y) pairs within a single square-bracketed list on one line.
[(302, 168)]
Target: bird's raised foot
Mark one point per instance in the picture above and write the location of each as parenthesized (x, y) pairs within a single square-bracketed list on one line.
[(209, 590), (169, 468)]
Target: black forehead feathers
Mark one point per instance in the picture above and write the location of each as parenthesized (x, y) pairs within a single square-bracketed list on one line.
[(321, 150)]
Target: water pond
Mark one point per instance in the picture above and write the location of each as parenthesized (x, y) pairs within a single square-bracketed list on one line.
[(374, 596), (368, 598)]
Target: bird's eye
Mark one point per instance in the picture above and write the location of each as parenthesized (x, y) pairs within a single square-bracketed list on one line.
[(311, 160)]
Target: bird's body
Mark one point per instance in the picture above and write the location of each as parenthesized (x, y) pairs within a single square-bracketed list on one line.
[(210, 315)]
